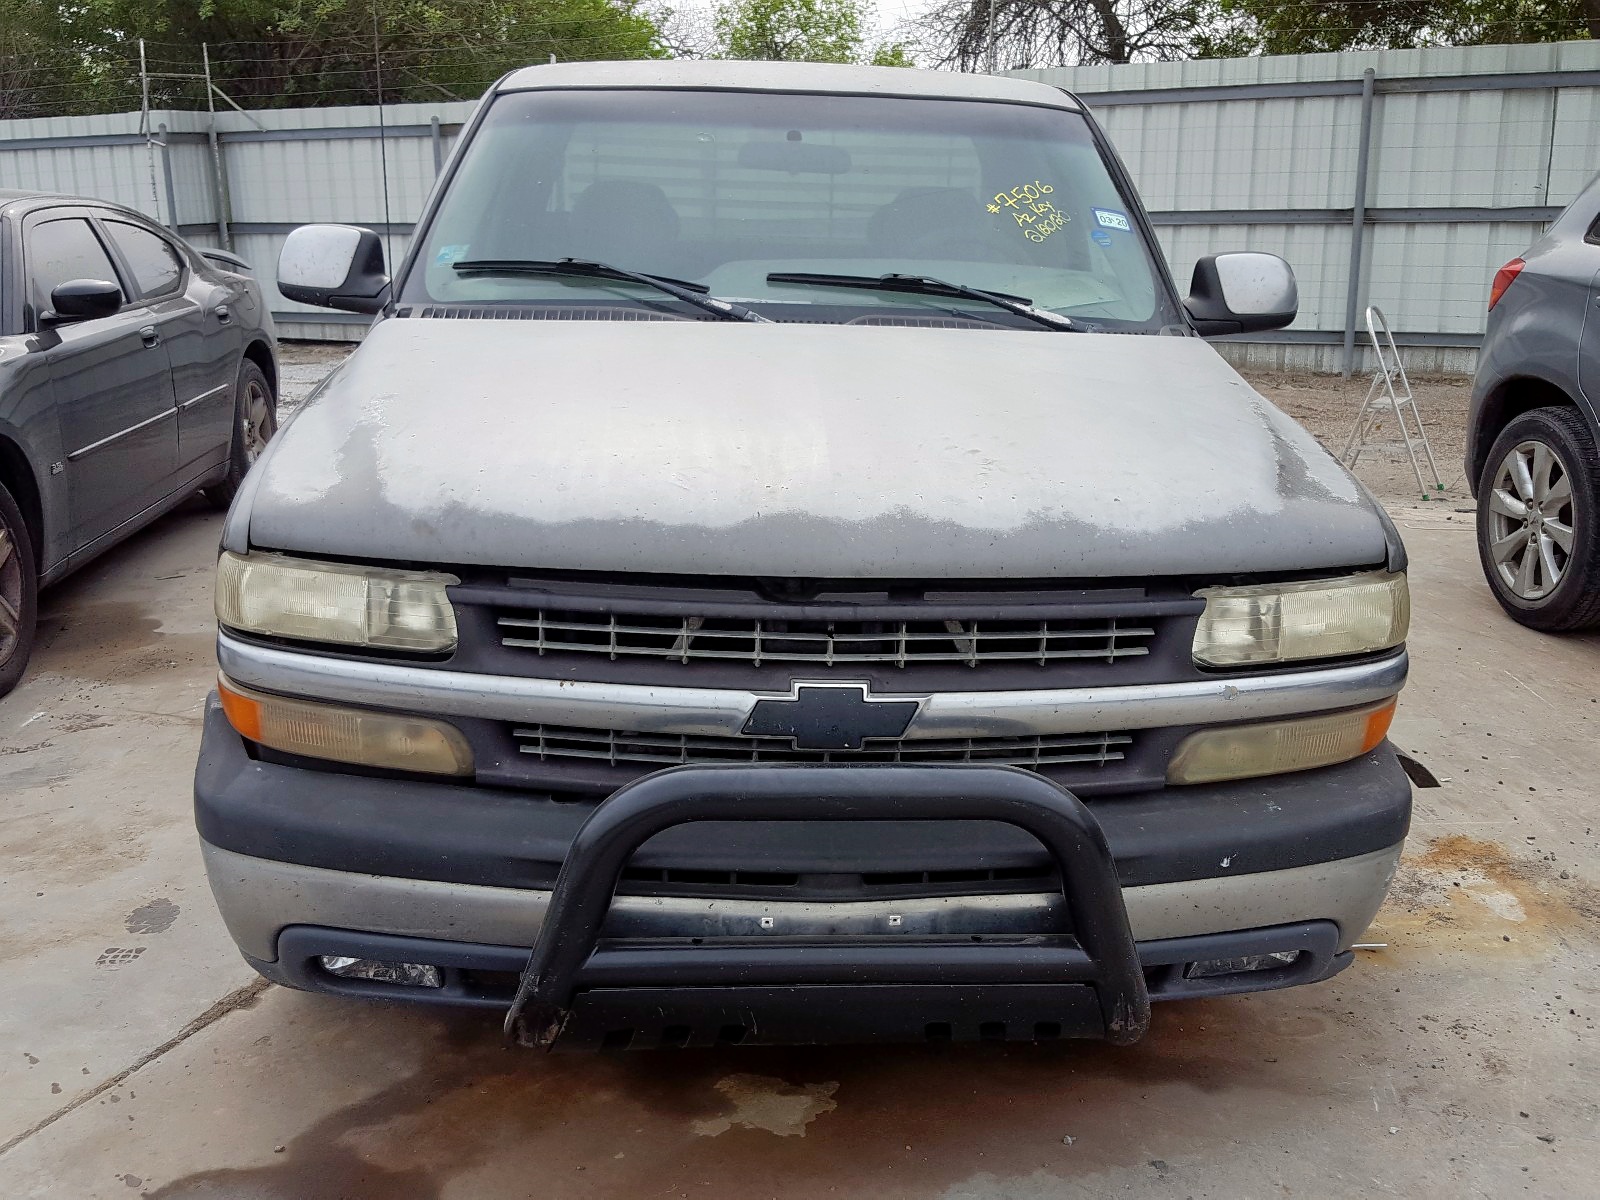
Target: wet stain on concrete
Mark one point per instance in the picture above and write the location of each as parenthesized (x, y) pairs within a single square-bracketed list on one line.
[(61, 846), (154, 917), (116, 641), (761, 1102), (119, 956), (476, 1118), (108, 627), (1464, 893)]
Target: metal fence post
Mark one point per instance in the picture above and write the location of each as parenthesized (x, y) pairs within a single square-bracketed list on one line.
[(438, 145), (219, 175), (1358, 222), (144, 128), (166, 172)]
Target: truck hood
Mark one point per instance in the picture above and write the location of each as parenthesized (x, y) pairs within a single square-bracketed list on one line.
[(823, 451)]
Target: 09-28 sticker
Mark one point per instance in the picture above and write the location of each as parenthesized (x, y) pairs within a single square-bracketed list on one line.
[(1110, 218)]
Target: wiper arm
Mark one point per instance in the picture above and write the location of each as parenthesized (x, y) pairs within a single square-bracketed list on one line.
[(682, 289), (925, 285)]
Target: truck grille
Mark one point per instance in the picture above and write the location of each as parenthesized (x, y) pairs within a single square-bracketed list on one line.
[(826, 642), (620, 748)]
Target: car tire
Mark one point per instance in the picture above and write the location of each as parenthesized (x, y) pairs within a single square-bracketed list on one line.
[(19, 593), (1539, 520), (255, 420)]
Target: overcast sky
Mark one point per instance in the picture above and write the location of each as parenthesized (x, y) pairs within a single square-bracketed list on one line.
[(890, 13)]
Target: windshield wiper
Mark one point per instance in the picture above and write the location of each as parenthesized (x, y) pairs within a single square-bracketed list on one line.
[(925, 285), (682, 289)]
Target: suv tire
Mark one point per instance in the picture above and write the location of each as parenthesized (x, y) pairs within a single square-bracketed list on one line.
[(19, 593), (255, 420), (1539, 520)]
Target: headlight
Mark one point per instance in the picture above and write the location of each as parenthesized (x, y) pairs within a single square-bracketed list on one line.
[(348, 735), (327, 602), (1277, 747), (1281, 622)]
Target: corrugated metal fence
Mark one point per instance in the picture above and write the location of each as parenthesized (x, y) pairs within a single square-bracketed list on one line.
[(279, 168), (1471, 152)]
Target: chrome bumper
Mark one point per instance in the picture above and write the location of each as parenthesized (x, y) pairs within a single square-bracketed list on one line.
[(259, 898), (723, 711)]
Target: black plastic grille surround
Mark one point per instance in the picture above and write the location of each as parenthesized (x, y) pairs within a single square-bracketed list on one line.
[(768, 636), (762, 635)]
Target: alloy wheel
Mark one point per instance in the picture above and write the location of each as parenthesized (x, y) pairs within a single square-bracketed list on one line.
[(1531, 521), (256, 420), (10, 593)]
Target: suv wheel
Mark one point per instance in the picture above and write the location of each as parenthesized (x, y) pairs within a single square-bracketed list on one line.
[(255, 420), (19, 593), (1539, 520)]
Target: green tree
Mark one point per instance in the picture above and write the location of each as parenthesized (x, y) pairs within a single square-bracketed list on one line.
[(280, 53), (1306, 26), (970, 34), (800, 31), (42, 68)]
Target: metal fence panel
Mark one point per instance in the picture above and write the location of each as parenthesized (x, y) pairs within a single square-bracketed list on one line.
[(1465, 134)]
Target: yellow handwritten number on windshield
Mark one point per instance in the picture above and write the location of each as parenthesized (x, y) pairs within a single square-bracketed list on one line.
[(1034, 215)]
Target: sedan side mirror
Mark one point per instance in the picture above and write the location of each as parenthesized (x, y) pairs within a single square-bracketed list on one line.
[(1241, 293), (82, 300), (334, 266)]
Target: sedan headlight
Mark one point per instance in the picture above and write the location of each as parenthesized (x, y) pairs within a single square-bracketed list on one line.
[(329, 602), (1283, 622)]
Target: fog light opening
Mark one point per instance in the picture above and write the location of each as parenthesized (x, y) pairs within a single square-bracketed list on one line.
[(402, 973), (1211, 968)]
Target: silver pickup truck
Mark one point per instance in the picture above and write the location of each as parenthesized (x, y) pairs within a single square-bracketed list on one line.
[(958, 648)]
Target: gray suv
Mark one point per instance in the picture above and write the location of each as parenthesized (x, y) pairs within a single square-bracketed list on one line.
[(1531, 435), (784, 565)]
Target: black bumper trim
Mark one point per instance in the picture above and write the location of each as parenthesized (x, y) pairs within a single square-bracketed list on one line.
[(483, 976), (458, 833)]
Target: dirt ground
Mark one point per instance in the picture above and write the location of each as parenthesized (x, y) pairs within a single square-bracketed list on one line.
[(139, 1057), (1327, 406)]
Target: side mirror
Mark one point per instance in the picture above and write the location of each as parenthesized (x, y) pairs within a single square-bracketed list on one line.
[(334, 266), (82, 300), (1241, 293)]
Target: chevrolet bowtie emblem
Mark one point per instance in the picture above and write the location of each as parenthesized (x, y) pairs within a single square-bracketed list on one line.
[(830, 717)]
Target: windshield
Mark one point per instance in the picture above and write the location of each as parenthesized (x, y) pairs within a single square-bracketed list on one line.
[(724, 189)]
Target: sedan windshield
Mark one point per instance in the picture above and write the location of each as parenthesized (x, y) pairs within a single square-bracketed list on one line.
[(729, 190)]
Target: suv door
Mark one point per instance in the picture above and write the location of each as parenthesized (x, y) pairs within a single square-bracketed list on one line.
[(193, 317), (109, 376)]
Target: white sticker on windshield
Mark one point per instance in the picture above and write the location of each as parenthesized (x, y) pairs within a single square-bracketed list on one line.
[(1112, 219), (449, 254)]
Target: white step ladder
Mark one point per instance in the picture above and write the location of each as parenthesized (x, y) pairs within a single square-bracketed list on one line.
[(1384, 399)]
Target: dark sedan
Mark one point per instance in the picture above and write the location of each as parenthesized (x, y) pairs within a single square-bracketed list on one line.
[(134, 370)]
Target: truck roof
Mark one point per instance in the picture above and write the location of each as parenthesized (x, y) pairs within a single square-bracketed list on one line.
[(786, 77)]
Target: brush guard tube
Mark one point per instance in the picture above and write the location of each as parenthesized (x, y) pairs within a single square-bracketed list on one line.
[(1098, 950)]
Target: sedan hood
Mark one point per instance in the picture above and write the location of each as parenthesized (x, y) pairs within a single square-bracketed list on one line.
[(822, 451)]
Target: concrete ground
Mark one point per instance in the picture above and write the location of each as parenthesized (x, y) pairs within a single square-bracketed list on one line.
[(140, 1057)]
